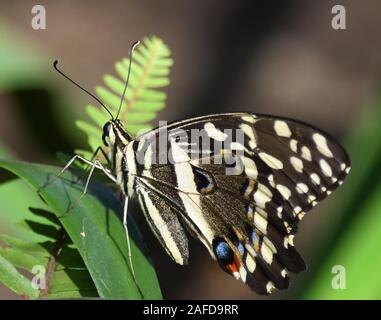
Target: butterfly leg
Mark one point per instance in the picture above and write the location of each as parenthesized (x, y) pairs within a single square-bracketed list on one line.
[(85, 189), (125, 210), (93, 157), (94, 165), (97, 165)]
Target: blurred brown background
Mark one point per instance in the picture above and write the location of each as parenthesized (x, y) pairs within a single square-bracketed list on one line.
[(271, 57)]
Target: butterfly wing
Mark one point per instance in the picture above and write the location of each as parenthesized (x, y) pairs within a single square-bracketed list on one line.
[(247, 220)]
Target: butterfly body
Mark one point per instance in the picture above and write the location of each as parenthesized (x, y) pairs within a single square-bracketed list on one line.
[(245, 218)]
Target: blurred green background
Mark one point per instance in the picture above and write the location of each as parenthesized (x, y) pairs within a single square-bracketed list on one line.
[(280, 58)]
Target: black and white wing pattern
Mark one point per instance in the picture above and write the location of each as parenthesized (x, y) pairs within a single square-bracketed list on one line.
[(247, 220)]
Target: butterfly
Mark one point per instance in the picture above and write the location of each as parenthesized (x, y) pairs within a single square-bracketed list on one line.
[(242, 199)]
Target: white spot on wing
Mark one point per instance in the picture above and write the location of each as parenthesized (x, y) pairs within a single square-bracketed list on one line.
[(290, 239), (249, 118), (301, 215), (250, 263), (297, 164), (321, 144), (271, 161), (249, 132), (262, 195), (297, 209), (270, 287), (282, 129), (325, 167), (302, 187), (279, 212), (250, 249), (214, 133), (260, 222), (271, 180), (284, 191), (285, 242), (236, 146), (270, 244), (294, 145), (242, 273), (266, 253), (315, 178), (306, 153), (250, 168)]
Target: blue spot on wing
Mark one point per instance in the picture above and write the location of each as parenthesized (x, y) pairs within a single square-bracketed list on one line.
[(240, 248), (223, 252)]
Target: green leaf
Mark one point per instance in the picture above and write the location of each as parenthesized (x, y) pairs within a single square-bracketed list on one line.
[(24, 250), (27, 246), (22, 259), (16, 198), (144, 97), (96, 230), (51, 255), (15, 280), (64, 281)]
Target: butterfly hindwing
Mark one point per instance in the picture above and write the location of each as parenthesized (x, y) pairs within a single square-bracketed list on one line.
[(246, 220), (163, 218)]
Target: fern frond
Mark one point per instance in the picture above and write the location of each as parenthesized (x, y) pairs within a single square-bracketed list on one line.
[(144, 98)]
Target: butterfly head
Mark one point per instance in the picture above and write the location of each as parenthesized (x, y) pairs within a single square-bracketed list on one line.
[(114, 132)]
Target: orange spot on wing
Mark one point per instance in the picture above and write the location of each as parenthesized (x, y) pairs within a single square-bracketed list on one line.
[(234, 266)]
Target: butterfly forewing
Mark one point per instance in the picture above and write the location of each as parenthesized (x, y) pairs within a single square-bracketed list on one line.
[(247, 220)]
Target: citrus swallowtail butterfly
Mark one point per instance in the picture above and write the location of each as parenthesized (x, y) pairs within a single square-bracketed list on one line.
[(246, 220)]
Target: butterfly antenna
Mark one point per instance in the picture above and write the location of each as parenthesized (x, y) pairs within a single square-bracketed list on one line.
[(128, 77), (82, 88)]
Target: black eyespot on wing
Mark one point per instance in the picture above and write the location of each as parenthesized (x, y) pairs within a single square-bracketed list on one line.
[(205, 182)]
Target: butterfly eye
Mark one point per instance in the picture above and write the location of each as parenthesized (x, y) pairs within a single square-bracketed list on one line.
[(106, 133)]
